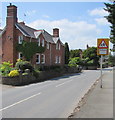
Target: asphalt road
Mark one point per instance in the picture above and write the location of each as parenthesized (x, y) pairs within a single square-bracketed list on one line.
[(55, 98)]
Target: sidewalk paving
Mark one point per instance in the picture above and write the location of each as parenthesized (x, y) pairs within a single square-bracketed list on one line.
[(99, 102)]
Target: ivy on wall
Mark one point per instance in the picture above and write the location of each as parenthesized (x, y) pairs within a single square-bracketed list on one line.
[(29, 49)]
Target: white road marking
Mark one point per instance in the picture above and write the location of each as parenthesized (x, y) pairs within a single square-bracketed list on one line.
[(64, 83), (19, 102)]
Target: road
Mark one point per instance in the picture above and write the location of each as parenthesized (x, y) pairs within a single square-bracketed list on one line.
[(55, 98)]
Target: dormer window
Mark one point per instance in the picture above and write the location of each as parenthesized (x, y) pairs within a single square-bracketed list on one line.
[(42, 42), (38, 41), (48, 45), (58, 46), (20, 39)]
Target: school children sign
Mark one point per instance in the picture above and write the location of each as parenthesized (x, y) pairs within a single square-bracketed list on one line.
[(102, 46)]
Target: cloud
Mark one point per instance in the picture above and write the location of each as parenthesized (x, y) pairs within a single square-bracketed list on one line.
[(102, 21), (78, 34), (98, 12)]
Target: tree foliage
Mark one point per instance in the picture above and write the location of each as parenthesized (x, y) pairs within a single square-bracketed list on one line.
[(112, 60), (91, 54), (66, 53), (110, 8), (28, 49), (74, 53), (74, 62)]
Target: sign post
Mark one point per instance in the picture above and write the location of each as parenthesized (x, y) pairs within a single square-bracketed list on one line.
[(101, 62), (102, 49)]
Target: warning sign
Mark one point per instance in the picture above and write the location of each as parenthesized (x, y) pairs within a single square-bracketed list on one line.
[(102, 46)]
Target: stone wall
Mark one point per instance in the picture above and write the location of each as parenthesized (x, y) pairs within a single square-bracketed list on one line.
[(42, 76)]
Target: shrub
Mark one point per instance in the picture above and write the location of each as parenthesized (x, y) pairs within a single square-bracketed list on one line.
[(90, 63), (23, 65), (74, 62), (5, 68), (13, 73)]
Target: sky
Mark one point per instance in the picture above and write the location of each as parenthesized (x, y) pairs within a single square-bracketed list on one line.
[(79, 23)]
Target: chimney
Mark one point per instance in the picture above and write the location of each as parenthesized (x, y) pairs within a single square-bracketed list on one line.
[(55, 32), (9, 50), (22, 23), (11, 14)]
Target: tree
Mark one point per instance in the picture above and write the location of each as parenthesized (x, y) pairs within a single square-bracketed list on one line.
[(66, 53), (74, 62), (74, 53), (110, 8), (111, 60), (91, 54)]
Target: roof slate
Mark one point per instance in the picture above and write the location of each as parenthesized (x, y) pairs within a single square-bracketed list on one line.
[(28, 31)]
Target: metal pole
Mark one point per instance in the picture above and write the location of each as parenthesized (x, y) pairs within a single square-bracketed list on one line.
[(101, 71)]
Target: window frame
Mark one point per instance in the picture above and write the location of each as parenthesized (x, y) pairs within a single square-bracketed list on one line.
[(38, 41), (58, 46), (58, 59), (48, 45), (20, 39), (20, 56), (38, 58), (43, 59), (43, 42)]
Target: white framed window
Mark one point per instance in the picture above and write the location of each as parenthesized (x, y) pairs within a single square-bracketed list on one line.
[(58, 46), (20, 55), (58, 60), (42, 42), (38, 41), (48, 45), (42, 58), (37, 58), (20, 39)]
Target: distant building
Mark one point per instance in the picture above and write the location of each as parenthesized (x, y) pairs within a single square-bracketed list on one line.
[(15, 32)]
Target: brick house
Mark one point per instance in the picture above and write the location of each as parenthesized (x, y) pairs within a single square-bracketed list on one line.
[(15, 32)]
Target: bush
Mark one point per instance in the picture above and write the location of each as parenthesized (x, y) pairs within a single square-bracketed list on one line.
[(13, 73), (5, 68), (23, 65), (74, 62)]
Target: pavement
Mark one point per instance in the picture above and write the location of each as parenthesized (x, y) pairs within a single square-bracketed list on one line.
[(99, 101)]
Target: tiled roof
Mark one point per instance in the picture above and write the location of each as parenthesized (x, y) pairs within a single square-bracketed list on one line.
[(26, 30), (48, 37), (30, 32)]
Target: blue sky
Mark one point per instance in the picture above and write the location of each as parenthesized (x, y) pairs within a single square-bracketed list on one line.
[(80, 23)]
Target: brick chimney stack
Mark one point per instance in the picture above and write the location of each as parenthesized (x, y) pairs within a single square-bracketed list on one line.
[(11, 14), (55, 32), (10, 41)]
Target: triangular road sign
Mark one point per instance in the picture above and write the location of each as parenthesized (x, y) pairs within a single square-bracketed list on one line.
[(102, 44)]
